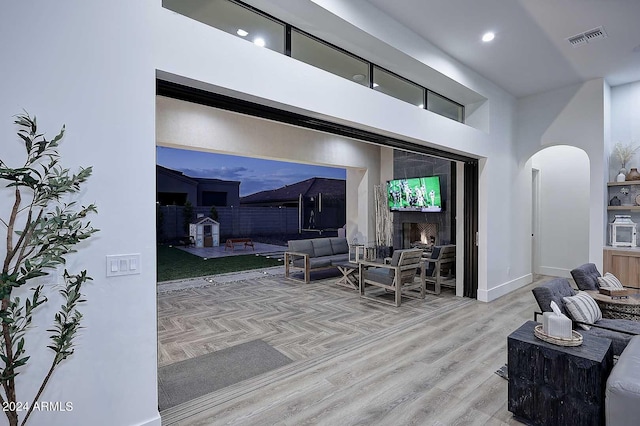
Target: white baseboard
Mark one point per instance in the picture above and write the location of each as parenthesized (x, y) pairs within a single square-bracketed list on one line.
[(156, 421), (502, 289), (555, 272)]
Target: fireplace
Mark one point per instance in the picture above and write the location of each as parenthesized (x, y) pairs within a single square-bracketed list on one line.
[(422, 234)]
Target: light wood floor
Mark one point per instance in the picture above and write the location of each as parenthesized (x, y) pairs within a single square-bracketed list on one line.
[(428, 362)]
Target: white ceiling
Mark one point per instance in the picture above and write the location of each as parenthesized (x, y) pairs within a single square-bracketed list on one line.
[(530, 53)]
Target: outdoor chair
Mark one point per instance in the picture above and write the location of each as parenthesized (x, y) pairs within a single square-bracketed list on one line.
[(396, 277), (441, 261), (620, 331)]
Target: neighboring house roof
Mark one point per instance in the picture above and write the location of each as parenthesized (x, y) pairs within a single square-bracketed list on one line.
[(175, 174), (179, 175), (308, 188)]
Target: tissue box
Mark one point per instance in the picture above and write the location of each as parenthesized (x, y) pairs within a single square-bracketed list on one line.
[(556, 325)]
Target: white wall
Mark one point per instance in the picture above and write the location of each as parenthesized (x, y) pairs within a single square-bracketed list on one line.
[(563, 209), (88, 65), (573, 116), (625, 121)]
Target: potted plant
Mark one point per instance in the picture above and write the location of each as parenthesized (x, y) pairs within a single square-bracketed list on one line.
[(624, 153), (41, 229)]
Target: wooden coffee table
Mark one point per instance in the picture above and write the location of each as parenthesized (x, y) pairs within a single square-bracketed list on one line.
[(349, 276), (618, 308)]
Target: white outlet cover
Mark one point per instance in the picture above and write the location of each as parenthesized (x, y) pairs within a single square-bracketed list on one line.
[(123, 264)]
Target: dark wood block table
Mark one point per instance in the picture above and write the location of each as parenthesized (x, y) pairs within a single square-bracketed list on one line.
[(557, 385)]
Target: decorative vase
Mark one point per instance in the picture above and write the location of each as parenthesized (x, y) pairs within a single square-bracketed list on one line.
[(633, 174), (615, 201), (621, 177)]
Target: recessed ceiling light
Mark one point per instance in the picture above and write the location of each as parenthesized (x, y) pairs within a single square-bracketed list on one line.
[(242, 33), (488, 36), (421, 106), (359, 77), (375, 85), (259, 41)]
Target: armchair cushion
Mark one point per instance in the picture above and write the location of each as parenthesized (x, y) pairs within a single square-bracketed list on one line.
[(583, 308), (431, 265), (382, 275), (609, 281), (553, 290), (395, 258), (586, 276)]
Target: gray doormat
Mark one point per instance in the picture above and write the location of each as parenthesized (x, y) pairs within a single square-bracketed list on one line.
[(185, 380)]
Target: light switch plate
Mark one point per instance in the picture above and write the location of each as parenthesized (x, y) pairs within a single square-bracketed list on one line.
[(123, 264)]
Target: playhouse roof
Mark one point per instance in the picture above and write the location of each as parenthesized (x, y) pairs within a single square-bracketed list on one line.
[(205, 221)]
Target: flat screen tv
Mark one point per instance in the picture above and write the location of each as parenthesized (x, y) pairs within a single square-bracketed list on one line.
[(414, 194)]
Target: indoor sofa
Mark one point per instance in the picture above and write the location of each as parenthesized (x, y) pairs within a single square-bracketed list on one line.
[(620, 331), (313, 254)]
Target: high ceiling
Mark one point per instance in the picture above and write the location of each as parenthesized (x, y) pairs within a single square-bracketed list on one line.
[(530, 53)]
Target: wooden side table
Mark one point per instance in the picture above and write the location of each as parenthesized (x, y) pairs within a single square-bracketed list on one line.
[(349, 276), (557, 385)]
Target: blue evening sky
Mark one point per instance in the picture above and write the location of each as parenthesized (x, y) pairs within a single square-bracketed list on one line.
[(253, 173)]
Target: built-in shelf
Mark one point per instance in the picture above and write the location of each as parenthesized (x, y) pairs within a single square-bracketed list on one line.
[(625, 183), (623, 208)]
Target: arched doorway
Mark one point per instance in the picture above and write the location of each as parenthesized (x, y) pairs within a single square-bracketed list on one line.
[(560, 210)]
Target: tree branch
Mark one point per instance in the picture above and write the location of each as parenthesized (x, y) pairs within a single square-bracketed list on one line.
[(12, 222), (42, 386)]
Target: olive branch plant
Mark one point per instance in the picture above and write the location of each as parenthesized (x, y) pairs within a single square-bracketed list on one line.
[(624, 153), (42, 227)]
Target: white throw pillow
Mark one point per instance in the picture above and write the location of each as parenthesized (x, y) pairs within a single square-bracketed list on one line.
[(583, 308), (609, 281)]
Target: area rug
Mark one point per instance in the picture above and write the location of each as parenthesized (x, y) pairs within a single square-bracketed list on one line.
[(195, 377), (503, 372)]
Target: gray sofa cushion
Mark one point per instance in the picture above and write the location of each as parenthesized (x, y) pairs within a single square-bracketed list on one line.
[(619, 341), (339, 245), (553, 290), (314, 262), (302, 246), (586, 276), (339, 257), (622, 395), (320, 262), (322, 247)]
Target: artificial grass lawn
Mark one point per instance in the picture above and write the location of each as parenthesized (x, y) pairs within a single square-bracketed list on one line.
[(174, 264)]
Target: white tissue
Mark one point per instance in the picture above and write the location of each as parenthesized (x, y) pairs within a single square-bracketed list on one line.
[(556, 324)]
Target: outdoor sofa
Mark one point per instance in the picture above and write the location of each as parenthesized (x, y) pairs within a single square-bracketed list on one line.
[(314, 254)]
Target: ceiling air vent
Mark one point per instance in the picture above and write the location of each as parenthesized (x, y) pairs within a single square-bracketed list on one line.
[(587, 37), (577, 40)]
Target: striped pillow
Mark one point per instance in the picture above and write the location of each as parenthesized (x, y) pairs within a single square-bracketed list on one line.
[(583, 308), (609, 281)]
